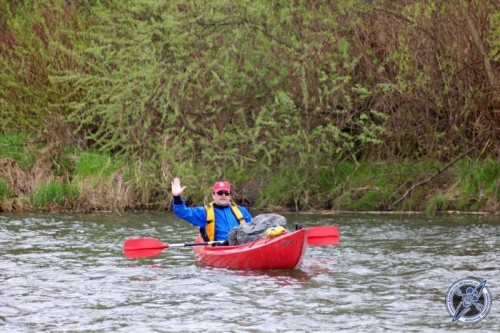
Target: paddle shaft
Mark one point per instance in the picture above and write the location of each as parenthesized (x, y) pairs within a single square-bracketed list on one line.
[(194, 244), (150, 247)]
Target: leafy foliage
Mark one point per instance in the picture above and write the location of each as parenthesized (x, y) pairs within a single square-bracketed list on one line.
[(39, 41), (207, 90)]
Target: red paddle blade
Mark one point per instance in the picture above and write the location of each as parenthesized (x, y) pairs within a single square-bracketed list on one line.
[(327, 235), (143, 247)]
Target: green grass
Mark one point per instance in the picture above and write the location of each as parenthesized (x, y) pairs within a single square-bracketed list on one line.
[(365, 186), (436, 203), (13, 145), (95, 164), (369, 201), (5, 191), (356, 186), (478, 181), (54, 193)]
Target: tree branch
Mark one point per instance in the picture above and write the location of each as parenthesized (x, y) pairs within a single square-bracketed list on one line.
[(434, 175), (471, 25)]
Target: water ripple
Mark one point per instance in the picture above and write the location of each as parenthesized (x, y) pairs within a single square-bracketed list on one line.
[(67, 272)]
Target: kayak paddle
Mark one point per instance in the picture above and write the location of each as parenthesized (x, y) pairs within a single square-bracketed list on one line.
[(326, 235), (150, 247)]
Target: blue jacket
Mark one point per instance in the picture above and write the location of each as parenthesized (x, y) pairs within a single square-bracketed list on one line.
[(224, 217)]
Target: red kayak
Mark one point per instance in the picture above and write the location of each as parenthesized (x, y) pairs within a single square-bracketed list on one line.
[(282, 252)]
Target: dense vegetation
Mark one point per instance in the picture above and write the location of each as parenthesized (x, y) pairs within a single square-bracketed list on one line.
[(349, 104)]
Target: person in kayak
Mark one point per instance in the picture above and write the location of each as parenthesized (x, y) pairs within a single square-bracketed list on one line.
[(215, 219)]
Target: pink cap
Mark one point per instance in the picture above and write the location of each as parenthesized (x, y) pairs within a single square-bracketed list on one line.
[(221, 186)]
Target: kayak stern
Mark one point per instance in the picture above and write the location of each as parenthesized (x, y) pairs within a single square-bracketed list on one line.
[(283, 252)]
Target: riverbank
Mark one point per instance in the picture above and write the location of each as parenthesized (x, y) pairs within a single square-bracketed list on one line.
[(36, 178), (103, 103)]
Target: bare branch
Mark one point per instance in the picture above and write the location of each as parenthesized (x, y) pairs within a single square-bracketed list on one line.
[(434, 175)]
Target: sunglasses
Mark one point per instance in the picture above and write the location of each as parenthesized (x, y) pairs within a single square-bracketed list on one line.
[(221, 193)]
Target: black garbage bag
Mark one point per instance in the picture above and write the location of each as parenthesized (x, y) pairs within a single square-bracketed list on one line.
[(250, 232)]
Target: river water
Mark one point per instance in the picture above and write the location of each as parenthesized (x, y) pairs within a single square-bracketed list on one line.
[(67, 273)]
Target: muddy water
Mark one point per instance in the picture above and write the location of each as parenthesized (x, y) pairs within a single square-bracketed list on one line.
[(67, 273)]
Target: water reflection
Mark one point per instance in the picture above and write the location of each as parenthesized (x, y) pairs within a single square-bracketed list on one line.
[(280, 277)]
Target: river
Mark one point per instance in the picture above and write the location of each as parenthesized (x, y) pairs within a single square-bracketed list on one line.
[(389, 273)]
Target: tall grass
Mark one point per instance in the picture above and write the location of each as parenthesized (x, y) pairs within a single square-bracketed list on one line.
[(5, 191), (478, 183), (54, 193), (95, 164), (364, 186), (101, 181)]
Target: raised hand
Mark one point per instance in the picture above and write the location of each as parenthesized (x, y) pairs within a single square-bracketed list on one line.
[(177, 189)]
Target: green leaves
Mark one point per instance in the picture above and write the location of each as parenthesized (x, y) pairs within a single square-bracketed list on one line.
[(227, 85)]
